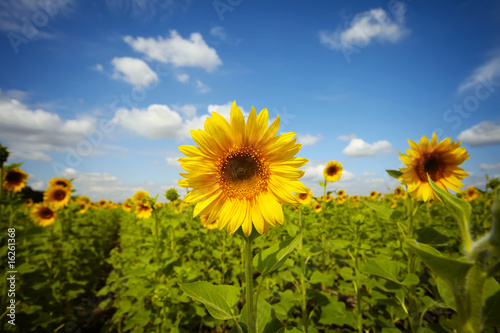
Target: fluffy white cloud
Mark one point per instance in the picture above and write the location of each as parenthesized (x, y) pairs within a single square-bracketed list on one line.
[(183, 78), (180, 52), (308, 139), (134, 71), (365, 27), (485, 166), (157, 121), (359, 148), (30, 134), (483, 134), (482, 74)]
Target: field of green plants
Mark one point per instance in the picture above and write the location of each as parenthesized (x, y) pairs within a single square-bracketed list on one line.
[(368, 264)]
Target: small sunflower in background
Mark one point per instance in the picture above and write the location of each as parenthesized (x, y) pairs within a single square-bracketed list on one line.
[(341, 199), (210, 226), (305, 198), (139, 195), (241, 172), (332, 171), (143, 209), (317, 207), (43, 214), (14, 180), (128, 205), (373, 195), (340, 193), (58, 196), (471, 193), (394, 203), (440, 160), (102, 203), (60, 182), (83, 206)]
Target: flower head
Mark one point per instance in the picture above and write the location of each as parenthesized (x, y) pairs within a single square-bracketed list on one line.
[(472, 193), (210, 226), (58, 196), (305, 198), (43, 214), (333, 171), (440, 160), (60, 182), (128, 205), (241, 172), (143, 209), (15, 180)]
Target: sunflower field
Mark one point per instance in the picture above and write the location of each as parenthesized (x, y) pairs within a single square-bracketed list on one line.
[(250, 249)]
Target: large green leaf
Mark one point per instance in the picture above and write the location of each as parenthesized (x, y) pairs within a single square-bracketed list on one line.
[(266, 318), (459, 208), (386, 269), (219, 300), (451, 270), (335, 313), (272, 258), (491, 301)]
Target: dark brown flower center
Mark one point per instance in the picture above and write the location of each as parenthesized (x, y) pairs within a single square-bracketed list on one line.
[(429, 164), (332, 171), (14, 177), (303, 196), (46, 213), (243, 172), (59, 195)]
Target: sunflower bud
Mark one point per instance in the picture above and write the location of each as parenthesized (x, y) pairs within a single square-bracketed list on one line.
[(4, 154), (494, 237), (172, 194)]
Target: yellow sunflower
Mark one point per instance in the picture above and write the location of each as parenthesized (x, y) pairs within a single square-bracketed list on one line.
[(373, 195), (440, 160), (317, 207), (102, 203), (60, 182), (58, 196), (139, 195), (394, 204), (43, 214), (341, 193), (29, 203), (241, 172), (471, 193), (333, 171), (143, 209), (305, 198), (84, 206), (14, 180), (209, 226), (128, 205), (399, 192)]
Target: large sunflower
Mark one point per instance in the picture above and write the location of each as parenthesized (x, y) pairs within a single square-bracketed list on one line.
[(333, 171), (58, 196), (43, 214), (60, 182), (15, 180), (440, 160), (241, 173)]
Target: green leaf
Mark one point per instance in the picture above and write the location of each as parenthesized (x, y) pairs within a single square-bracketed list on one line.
[(386, 269), (431, 236), (219, 300), (289, 330), (459, 208), (451, 270), (322, 184), (272, 258), (446, 294), (266, 317), (383, 212), (394, 173), (334, 313)]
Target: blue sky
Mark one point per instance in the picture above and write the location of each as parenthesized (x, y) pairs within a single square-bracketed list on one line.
[(104, 92)]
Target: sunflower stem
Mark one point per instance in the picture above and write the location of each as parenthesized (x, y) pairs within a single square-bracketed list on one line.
[(303, 286), (251, 309)]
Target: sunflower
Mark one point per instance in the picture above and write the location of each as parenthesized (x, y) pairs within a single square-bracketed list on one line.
[(305, 198), (14, 180), (471, 193), (373, 195), (242, 173), (43, 214), (394, 204), (440, 160), (329, 198), (84, 198), (60, 182), (102, 203), (84, 206), (399, 192), (333, 171), (139, 195), (317, 207), (29, 203), (58, 196), (128, 205), (341, 193), (341, 199), (209, 226), (143, 209)]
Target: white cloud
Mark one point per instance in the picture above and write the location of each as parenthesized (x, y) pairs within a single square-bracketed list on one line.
[(33, 133), (347, 137), (183, 78), (224, 109), (202, 88), (134, 71), (173, 161), (359, 148), (483, 134), (485, 166), (157, 121), (308, 139), (98, 68), (218, 32), (482, 74), (189, 110), (178, 51), (372, 25)]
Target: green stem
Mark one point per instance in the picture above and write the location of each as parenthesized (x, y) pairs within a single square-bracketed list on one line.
[(303, 286), (251, 309)]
